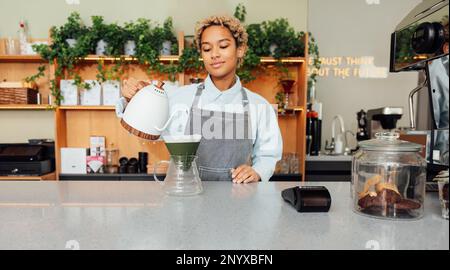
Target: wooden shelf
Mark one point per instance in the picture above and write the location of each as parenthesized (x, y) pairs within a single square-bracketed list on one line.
[(30, 107), (50, 176), (169, 58), (290, 111), (283, 60), (21, 59), (87, 108), (95, 58)]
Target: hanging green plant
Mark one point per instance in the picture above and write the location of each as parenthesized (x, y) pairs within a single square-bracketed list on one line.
[(111, 72), (189, 61), (248, 67), (65, 55), (282, 37), (148, 44), (257, 40), (115, 37)]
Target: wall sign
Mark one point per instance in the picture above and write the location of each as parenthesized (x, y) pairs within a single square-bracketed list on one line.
[(349, 66)]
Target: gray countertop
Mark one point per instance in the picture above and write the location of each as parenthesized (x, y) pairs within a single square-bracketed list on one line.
[(137, 215)]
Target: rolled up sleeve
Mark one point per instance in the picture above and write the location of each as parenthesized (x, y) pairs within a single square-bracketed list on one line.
[(268, 146)]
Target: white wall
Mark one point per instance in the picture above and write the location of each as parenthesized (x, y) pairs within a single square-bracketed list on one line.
[(42, 14), (356, 28)]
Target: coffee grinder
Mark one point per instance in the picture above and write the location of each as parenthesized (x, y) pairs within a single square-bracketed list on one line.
[(383, 119)]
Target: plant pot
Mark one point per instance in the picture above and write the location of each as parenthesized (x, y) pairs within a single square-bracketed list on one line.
[(166, 48), (72, 42), (101, 47), (272, 49), (130, 47)]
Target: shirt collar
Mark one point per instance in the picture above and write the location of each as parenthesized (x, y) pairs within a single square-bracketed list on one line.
[(212, 91)]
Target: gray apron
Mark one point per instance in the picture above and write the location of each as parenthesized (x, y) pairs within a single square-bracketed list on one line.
[(226, 139)]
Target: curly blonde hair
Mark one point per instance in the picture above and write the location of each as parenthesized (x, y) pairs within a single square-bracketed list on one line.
[(234, 25)]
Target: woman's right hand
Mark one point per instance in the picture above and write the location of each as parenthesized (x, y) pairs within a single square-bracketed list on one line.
[(131, 86)]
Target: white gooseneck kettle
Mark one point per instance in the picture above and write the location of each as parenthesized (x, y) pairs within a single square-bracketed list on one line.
[(147, 113)]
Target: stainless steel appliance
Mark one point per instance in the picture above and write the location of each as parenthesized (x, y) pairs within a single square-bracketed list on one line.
[(420, 43)]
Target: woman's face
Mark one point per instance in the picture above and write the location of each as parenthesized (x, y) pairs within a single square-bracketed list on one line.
[(219, 52)]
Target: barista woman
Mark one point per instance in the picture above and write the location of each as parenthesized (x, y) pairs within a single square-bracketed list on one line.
[(241, 140)]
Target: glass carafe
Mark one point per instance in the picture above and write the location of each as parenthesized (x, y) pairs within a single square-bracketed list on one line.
[(182, 177), (388, 178)]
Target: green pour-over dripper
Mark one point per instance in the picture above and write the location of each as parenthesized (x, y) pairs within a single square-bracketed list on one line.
[(184, 147)]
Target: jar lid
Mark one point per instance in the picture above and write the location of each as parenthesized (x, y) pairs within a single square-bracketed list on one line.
[(388, 141)]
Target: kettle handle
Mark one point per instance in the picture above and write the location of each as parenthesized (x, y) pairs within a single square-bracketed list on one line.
[(170, 119), (154, 171)]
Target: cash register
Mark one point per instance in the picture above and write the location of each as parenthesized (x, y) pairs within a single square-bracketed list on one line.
[(35, 158)]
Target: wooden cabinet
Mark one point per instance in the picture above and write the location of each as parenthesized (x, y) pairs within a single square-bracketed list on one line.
[(75, 124)]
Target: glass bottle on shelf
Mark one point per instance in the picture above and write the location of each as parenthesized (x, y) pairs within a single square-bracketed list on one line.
[(112, 159), (23, 40), (287, 88)]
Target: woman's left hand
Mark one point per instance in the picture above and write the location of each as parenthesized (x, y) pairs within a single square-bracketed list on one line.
[(244, 174)]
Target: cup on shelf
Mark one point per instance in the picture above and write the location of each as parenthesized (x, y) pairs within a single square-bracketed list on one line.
[(11, 47)]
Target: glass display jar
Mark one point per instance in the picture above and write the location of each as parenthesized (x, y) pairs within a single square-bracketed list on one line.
[(388, 178), (112, 159)]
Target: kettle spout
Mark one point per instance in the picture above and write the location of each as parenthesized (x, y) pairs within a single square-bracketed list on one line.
[(186, 110)]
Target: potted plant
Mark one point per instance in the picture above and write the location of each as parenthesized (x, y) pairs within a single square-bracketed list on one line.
[(282, 39), (170, 43), (73, 29), (131, 32), (189, 62), (108, 38), (148, 44), (257, 39), (98, 32)]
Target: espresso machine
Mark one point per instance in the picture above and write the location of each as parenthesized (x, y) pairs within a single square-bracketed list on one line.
[(420, 43), (383, 119)]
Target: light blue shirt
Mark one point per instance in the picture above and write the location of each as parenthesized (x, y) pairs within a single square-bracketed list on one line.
[(266, 135)]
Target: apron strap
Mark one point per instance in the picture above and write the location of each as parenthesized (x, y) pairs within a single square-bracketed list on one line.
[(198, 93), (200, 89), (246, 105)]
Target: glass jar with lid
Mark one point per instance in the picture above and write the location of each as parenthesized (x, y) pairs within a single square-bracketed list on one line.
[(388, 178)]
